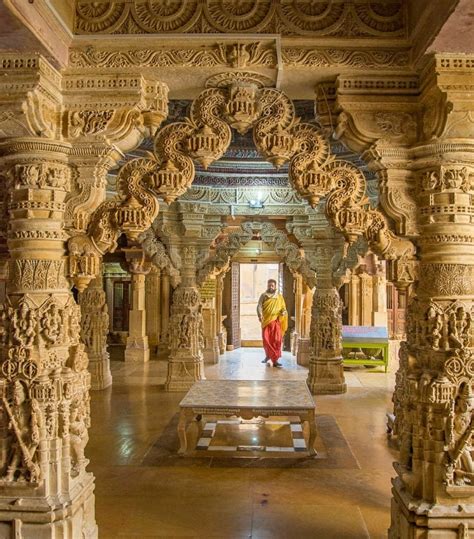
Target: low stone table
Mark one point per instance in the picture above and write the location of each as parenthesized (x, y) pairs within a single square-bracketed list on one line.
[(248, 399)]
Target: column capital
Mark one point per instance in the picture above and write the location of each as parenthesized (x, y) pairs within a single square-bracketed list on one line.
[(122, 111), (30, 96), (138, 263)]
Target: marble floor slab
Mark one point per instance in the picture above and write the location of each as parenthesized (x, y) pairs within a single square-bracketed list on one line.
[(144, 491)]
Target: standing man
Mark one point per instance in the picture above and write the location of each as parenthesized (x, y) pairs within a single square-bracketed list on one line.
[(271, 310)]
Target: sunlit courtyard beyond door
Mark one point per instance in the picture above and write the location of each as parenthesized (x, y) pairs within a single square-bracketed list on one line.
[(253, 282)]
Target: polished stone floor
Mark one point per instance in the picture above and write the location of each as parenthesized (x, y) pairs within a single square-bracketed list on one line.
[(345, 498)]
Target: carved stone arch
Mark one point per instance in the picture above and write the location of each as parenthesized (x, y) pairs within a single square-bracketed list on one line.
[(279, 136), (233, 242)]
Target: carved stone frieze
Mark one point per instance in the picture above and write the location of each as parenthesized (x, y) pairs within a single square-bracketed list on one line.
[(237, 55), (363, 19)]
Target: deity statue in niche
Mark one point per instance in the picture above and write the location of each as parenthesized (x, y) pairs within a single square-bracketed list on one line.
[(23, 325), (23, 420), (78, 435), (52, 324), (459, 430)]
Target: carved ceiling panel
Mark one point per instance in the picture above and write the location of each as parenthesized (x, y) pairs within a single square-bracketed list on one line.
[(341, 18)]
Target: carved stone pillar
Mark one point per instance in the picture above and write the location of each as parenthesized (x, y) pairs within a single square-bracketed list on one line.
[(366, 298), (380, 316), (153, 306), (433, 494), (298, 290), (137, 348), (321, 244), (326, 374), (221, 332), (354, 300), (94, 330), (211, 343), (44, 385), (186, 339), (304, 341), (165, 311)]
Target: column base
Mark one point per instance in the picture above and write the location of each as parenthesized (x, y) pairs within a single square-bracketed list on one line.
[(183, 372), (326, 377), (49, 518), (303, 351), (101, 377), (415, 519), (211, 354), (137, 349)]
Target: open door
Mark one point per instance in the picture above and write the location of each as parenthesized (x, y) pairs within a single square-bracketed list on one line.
[(231, 306), (287, 288)]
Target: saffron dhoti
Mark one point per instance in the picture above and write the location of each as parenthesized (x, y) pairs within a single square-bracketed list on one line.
[(274, 324), (272, 339)]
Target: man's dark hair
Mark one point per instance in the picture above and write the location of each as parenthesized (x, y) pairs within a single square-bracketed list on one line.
[(271, 281)]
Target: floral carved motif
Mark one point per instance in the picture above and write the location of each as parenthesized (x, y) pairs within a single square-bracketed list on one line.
[(365, 18), (238, 55)]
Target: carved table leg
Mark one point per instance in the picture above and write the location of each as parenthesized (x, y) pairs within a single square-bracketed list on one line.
[(313, 431), (182, 424)]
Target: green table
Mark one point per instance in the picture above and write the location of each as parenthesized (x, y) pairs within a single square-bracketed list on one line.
[(367, 337)]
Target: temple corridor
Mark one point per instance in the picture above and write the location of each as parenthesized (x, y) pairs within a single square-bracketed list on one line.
[(183, 181), (345, 499)]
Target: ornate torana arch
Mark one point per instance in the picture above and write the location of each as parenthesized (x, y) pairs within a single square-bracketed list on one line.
[(204, 137), (234, 241)]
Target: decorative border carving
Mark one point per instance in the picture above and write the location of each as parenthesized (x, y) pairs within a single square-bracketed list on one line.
[(336, 18)]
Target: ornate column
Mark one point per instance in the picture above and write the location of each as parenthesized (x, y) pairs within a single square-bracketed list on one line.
[(45, 490), (188, 231), (186, 338), (208, 298), (433, 495), (304, 341), (420, 143), (354, 300), (298, 290), (137, 348), (45, 383), (321, 244), (221, 331), (380, 316), (153, 306), (94, 331), (326, 374), (165, 312), (365, 297)]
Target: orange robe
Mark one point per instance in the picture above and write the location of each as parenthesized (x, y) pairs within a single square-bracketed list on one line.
[(272, 310)]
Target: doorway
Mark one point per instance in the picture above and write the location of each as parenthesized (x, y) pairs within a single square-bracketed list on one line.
[(253, 282)]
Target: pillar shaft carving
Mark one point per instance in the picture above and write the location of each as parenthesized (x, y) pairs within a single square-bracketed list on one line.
[(434, 399), (94, 331), (45, 382), (187, 236), (137, 348), (186, 336), (326, 374), (153, 306)]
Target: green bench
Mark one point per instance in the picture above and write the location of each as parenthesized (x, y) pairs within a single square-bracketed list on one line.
[(365, 338)]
